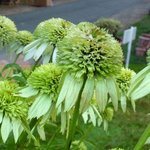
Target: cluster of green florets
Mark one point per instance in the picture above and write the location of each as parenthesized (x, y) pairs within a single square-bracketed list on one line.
[(10, 104), (24, 37), (52, 30), (124, 79), (46, 79), (7, 31), (90, 56)]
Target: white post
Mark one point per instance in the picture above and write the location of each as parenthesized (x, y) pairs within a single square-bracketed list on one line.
[(129, 48)]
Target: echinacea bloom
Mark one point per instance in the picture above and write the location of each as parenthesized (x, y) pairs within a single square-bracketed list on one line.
[(22, 39), (47, 34), (13, 110), (7, 31), (124, 82), (98, 60), (90, 63), (43, 84)]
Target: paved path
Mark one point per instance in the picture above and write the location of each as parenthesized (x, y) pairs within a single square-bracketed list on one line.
[(75, 11)]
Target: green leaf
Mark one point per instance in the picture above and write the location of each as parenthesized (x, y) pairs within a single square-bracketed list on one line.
[(101, 94), (40, 106), (113, 92), (40, 51), (28, 92), (41, 132), (147, 141), (87, 94), (123, 103), (72, 93), (143, 89), (65, 87), (17, 129), (137, 79), (6, 128)]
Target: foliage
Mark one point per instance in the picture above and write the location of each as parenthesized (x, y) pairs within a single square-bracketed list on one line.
[(112, 25)]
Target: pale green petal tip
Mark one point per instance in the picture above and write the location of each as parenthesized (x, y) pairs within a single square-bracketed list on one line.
[(7, 31)]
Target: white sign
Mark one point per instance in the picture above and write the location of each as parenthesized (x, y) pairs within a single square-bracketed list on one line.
[(128, 36)]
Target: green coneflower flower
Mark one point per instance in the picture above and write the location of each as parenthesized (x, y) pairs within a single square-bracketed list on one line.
[(13, 109), (96, 59), (92, 31), (47, 34), (43, 84), (7, 31), (124, 81), (23, 38)]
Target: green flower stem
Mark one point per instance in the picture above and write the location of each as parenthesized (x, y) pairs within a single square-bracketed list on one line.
[(143, 138), (17, 56), (34, 66), (74, 120)]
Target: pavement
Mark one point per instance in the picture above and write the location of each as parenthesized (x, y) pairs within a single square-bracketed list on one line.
[(28, 17)]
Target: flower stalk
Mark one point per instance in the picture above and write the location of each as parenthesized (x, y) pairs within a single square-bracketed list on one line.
[(75, 117), (143, 138)]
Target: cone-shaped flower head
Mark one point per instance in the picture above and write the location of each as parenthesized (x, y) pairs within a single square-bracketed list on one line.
[(43, 84), (7, 31), (92, 31), (124, 81), (46, 79), (13, 109), (90, 63), (100, 55), (23, 38), (52, 30), (47, 34)]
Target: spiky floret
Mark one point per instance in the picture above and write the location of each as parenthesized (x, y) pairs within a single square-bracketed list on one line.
[(11, 105), (124, 79), (52, 30), (13, 109), (24, 37), (93, 57), (46, 79), (7, 31), (92, 31), (124, 82)]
